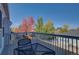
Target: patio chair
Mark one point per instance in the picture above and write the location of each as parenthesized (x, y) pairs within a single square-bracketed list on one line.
[(23, 51), (34, 49), (23, 42), (23, 46)]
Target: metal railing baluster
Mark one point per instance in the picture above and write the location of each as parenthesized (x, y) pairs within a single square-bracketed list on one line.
[(62, 44), (57, 46), (72, 46), (65, 45), (76, 46), (55, 41), (68, 45)]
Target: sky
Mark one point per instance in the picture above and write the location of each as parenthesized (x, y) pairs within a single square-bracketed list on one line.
[(60, 14)]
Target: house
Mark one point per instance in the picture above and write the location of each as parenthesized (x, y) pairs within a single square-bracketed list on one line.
[(72, 33), (5, 24)]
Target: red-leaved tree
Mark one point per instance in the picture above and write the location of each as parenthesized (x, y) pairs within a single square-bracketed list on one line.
[(31, 24), (24, 26), (27, 25)]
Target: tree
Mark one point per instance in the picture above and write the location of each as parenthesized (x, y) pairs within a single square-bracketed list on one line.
[(77, 28), (39, 25), (19, 27), (27, 25), (31, 24), (49, 27), (13, 29), (31, 20), (24, 26), (16, 30), (64, 28)]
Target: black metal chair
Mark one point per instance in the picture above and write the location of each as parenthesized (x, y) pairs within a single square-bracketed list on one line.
[(24, 45), (40, 49), (23, 42), (33, 49), (23, 51)]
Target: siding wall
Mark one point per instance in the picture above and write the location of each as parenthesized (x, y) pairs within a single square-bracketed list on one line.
[(4, 30)]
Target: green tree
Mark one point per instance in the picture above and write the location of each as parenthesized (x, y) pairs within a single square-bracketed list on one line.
[(49, 27), (64, 28), (39, 25), (77, 28)]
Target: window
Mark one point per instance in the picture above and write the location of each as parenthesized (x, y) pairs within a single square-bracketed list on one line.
[(0, 19)]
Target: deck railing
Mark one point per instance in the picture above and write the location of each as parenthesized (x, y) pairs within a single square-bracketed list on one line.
[(67, 44)]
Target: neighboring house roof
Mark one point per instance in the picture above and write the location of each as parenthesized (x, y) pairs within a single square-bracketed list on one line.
[(72, 33)]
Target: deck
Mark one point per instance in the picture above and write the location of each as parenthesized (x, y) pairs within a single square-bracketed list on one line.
[(61, 44)]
